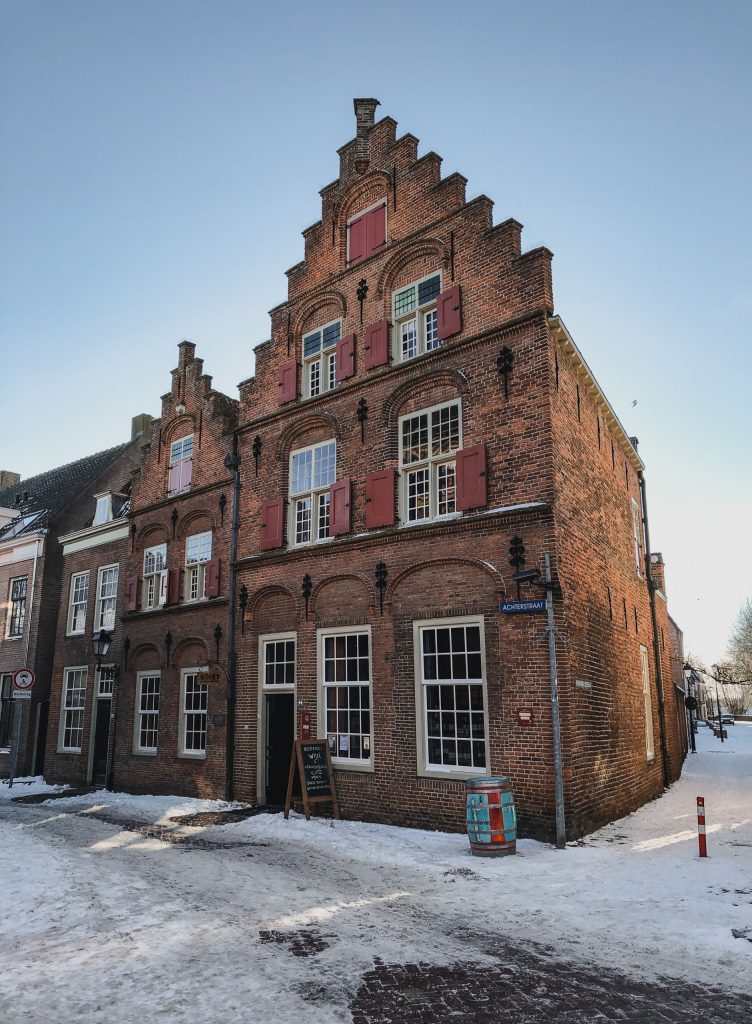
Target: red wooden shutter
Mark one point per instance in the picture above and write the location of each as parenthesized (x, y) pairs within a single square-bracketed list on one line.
[(272, 524), (173, 586), (380, 498), (212, 577), (356, 237), (287, 381), (376, 345), (131, 594), (173, 479), (449, 309), (375, 229), (345, 364), (472, 490), (340, 517), (186, 474)]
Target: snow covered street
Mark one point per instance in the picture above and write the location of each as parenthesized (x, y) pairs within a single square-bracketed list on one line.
[(115, 910)]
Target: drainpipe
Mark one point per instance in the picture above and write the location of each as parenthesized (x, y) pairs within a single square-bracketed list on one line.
[(232, 462), (656, 641), (561, 828)]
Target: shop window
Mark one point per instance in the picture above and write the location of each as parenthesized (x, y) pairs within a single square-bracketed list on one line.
[(346, 683)]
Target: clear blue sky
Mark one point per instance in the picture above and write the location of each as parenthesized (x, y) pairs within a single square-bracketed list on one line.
[(159, 160)]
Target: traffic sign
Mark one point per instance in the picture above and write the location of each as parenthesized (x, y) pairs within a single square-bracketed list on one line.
[(23, 681)]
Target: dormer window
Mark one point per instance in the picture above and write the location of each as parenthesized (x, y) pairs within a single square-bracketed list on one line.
[(181, 465), (320, 359), (103, 512)]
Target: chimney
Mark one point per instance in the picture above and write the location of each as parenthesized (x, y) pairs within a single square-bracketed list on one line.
[(7, 479), (187, 352), (658, 570), (141, 426), (365, 110)]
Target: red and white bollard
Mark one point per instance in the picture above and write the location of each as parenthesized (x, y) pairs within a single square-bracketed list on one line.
[(701, 826)]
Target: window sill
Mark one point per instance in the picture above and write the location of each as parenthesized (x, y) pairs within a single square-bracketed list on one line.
[(67, 750), (437, 520), (19, 637), (80, 632), (193, 757), (144, 753), (453, 775), (353, 766)]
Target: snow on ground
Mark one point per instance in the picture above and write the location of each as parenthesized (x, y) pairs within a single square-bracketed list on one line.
[(27, 785), (116, 925)]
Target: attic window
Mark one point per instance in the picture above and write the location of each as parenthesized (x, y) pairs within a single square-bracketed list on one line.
[(103, 513)]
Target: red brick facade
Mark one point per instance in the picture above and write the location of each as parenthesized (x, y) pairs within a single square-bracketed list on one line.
[(348, 539)]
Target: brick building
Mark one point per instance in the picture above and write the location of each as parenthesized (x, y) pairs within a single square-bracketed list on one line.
[(418, 413), (34, 514), (171, 729)]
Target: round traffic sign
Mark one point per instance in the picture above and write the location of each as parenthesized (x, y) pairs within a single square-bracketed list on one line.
[(23, 679)]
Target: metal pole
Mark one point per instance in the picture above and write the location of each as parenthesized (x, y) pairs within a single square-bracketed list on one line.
[(232, 462), (718, 705), (561, 831), (17, 712)]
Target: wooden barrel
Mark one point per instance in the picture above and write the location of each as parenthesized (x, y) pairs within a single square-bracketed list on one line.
[(491, 817)]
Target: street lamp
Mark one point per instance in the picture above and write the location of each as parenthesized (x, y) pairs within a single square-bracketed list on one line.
[(101, 642), (718, 700), (690, 702)]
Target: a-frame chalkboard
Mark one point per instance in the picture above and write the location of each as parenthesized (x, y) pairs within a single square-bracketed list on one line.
[(311, 763)]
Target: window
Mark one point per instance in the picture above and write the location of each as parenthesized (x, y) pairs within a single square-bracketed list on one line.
[(79, 597), (416, 319), (645, 668), (451, 695), (6, 708), (17, 614), (312, 472), (366, 233), (278, 660), (181, 465), (103, 512), (72, 712), (320, 359), (637, 536), (147, 713), (429, 441), (155, 577), (198, 549), (346, 676), (105, 680), (107, 583), (193, 707)]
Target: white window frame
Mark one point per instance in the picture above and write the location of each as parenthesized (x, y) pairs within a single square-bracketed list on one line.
[(350, 764), (272, 638), (194, 585), (73, 710), (103, 510), (98, 624), (637, 536), (316, 496), (154, 584), (183, 751), (325, 360), (72, 605), (432, 463), (424, 767), (648, 703), (420, 314), (105, 681), (140, 713), (362, 213), (9, 617)]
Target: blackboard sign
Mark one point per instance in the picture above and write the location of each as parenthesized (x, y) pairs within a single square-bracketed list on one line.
[(311, 764)]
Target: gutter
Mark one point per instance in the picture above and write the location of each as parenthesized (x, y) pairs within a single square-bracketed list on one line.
[(232, 462)]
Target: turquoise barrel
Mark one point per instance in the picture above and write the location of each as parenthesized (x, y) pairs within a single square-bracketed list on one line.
[(491, 816)]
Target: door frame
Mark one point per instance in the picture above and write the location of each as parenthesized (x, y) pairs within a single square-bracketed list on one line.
[(95, 698), (263, 690)]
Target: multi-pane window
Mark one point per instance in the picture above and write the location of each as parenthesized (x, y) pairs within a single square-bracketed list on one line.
[(279, 662), (17, 614), (155, 576), (106, 597), (79, 595), (198, 549), (347, 695), (637, 536), (320, 359), (312, 471), (6, 708), (645, 670), (72, 711), (416, 323), (453, 696), (147, 712), (181, 464), (429, 441), (105, 680), (194, 702)]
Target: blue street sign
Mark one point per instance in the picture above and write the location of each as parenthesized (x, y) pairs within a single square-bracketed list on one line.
[(515, 607)]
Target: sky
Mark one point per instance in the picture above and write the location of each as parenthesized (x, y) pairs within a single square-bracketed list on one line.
[(159, 160)]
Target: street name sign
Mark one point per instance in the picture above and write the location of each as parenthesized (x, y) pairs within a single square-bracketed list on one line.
[(519, 607)]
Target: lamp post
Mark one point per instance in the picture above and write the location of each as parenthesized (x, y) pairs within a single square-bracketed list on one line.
[(717, 672), (690, 702), (101, 642)]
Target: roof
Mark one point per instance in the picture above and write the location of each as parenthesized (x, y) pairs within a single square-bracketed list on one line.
[(42, 497)]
